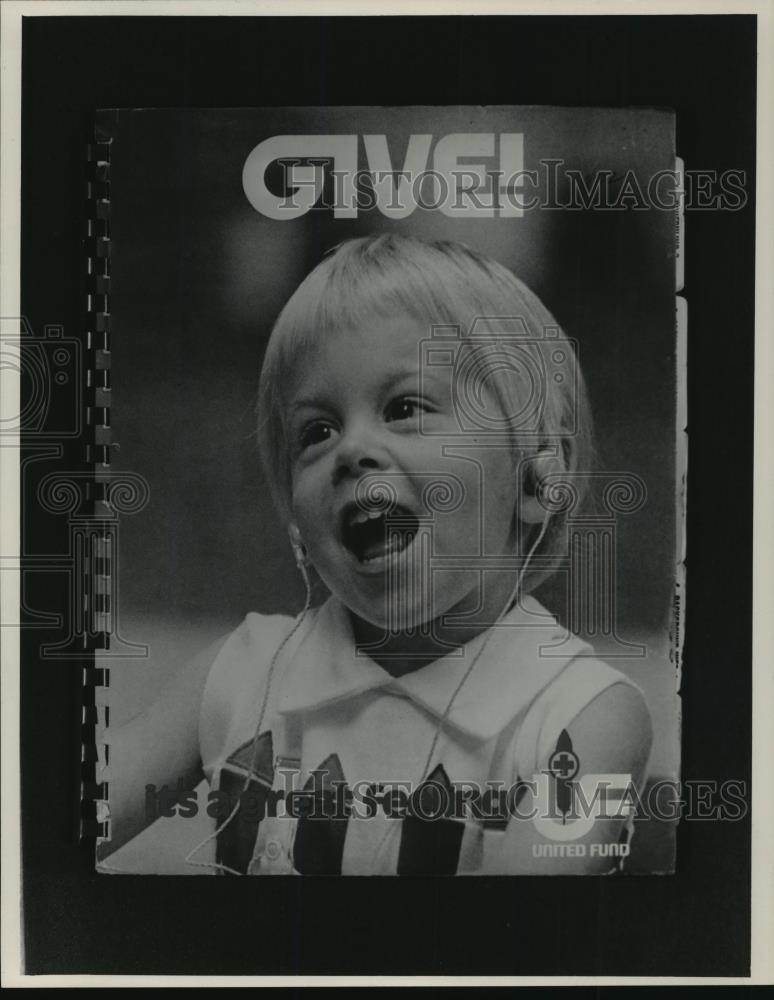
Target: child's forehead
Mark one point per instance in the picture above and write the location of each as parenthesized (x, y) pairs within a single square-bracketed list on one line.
[(373, 342)]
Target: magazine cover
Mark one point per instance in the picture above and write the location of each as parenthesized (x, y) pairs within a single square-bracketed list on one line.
[(393, 556)]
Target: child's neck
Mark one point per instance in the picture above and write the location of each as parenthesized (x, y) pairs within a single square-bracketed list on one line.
[(404, 652)]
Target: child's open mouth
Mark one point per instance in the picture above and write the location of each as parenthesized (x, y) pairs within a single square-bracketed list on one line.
[(372, 535)]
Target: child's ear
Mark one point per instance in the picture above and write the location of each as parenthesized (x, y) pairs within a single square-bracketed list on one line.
[(296, 543), (534, 470)]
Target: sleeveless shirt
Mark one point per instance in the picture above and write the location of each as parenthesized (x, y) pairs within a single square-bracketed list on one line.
[(343, 747)]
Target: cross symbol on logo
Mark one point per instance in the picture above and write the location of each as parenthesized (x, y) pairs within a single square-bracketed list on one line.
[(563, 764)]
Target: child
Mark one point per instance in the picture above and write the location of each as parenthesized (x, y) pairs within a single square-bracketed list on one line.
[(418, 406)]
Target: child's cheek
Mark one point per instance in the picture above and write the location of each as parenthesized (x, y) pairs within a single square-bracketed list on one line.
[(298, 499), (308, 503)]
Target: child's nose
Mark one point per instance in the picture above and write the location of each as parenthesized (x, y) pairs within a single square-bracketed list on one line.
[(359, 451)]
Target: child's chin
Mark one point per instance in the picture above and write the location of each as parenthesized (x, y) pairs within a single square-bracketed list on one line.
[(395, 617)]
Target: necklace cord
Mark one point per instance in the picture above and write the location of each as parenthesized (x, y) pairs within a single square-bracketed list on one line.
[(512, 597), (253, 760)]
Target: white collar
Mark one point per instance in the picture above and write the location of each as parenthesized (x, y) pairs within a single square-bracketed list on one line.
[(326, 667)]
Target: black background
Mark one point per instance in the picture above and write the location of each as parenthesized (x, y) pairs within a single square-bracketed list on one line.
[(693, 923)]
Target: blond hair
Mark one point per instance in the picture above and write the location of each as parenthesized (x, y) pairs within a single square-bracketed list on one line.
[(437, 283)]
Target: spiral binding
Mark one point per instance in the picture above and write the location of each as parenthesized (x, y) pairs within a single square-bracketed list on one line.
[(98, 590)]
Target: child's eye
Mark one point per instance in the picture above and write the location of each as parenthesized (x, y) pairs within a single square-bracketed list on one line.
[(315, 432), (403, 408)]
